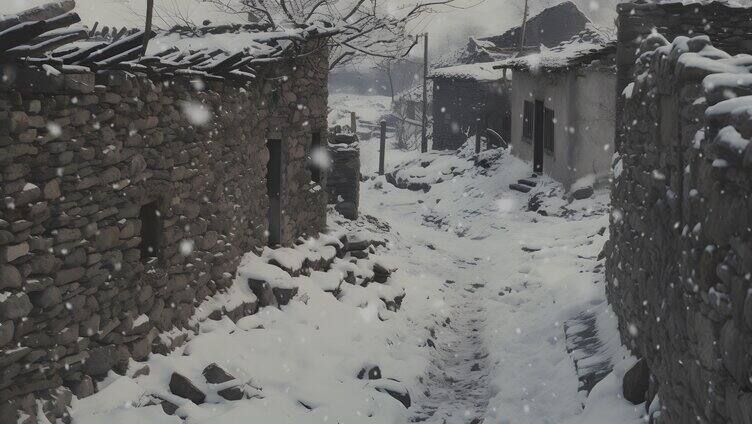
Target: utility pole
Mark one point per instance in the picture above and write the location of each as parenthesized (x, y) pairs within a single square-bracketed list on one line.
[(424, 132), (523, 28), (147, 26)]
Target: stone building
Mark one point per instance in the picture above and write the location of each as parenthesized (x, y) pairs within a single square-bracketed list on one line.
[(562, 108), (466, 97), (132, 185), (679, 259)]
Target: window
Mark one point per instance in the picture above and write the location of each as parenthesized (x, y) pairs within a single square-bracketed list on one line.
[(151, 232), (548, 130), (527, 121), (316, 156)]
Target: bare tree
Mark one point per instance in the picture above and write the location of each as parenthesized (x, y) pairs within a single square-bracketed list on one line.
[(375, 28)]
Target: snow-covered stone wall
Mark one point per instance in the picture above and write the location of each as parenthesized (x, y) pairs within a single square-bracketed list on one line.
[(343, 179), (126, 200), (679, 261), (727, 26)]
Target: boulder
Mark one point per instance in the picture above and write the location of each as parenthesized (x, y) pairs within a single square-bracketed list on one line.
[(214, 374), (15, 306), (636, 382), (183, 387), (232, 393), (582, 193), (9, 277)]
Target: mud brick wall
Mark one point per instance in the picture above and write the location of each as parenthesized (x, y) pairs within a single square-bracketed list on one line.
[(679, 260), (343, 179), (83, 158)]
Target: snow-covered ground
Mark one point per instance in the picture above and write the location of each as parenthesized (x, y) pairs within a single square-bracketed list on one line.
[(479, 337)]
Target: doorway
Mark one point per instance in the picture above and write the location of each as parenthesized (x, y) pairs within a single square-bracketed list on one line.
[(538, 137), (151, 232), (273, 189)]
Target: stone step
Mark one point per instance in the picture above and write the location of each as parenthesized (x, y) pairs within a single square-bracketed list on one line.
[(520, 187), (526, 182)]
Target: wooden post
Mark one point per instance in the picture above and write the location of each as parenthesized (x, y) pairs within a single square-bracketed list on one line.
[(147, 27), (353, 123), (382, 149), (523, 28), (424, 129), (477, 139)]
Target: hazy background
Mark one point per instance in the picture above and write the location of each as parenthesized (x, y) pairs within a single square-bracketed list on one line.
[(448, 29)]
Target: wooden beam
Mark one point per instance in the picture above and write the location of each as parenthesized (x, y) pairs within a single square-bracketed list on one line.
[(39, 13)]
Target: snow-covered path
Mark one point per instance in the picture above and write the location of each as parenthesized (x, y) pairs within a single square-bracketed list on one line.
[(513, 277)]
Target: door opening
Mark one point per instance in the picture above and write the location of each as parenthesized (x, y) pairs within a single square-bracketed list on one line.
[(538, 138), (151, 232), (273, 189)]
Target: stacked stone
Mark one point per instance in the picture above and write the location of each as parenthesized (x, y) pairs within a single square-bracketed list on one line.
[(343, 180), (679, 261), (298, 111), (726, 25), (80, 155)]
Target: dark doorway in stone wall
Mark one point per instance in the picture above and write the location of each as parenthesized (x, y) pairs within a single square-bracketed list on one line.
[(273, 189), (151, 231)]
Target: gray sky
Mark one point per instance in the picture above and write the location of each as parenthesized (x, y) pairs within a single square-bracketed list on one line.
[(448, 29)]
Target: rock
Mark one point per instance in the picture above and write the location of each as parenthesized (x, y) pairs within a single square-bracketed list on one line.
[(373, 373), (214, 374), (10, 278), (582, 193), (83, 388), (263, 292), (6, 332), (15, 306), (232, 393), (101, 360), (11, 253), (359, 254), (46, 298), (396, 390), (284, 296), (636, 382), (168, 407), (358, 245), (183, 387)]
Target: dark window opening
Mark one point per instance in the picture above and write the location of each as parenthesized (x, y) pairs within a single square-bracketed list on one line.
[(548, 130), (151, 232), (528, 121), (316, 157)]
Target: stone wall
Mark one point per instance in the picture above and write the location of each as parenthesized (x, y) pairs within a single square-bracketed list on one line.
[(89, 164), (727, 27), (460, 104), (679, 260), (343, 179)]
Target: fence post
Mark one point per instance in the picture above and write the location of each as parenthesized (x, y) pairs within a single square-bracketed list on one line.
[(382, 147), (477, 140), (353, 123)]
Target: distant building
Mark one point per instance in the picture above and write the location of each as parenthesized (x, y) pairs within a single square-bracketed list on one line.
[(563, 108), (548, 28), (466, 97), (474, 94)]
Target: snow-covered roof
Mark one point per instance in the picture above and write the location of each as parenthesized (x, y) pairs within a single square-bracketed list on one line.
[(481, 72), (51, 35), (580, 50)]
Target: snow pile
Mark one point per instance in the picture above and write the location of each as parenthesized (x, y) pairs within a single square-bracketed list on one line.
[(341, 350)]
